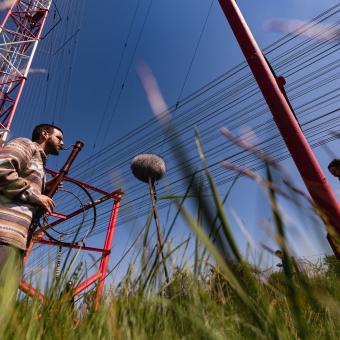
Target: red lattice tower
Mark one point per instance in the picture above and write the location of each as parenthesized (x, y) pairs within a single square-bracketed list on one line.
[(20, 33)]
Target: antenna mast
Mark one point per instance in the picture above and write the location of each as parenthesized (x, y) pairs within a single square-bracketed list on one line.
[(20, 33)]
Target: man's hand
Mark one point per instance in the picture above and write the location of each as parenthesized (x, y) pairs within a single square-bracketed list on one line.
[(45, 202)]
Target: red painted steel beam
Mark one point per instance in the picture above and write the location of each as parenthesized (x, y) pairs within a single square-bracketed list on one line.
[(73, 246), (60, 216), (78, 146), (294, 138), (92, 279), (106, 257), (30, 291), (115, 195)]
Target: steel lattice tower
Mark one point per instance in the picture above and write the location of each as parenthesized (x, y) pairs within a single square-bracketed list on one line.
[(20, 32)]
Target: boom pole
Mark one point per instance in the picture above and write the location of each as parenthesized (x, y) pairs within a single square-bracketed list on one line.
[(20, 33), (297, 144)]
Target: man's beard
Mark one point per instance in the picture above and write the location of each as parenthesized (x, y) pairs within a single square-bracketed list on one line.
[(52, 149)]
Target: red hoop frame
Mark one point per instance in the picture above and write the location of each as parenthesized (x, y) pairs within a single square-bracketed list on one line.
[(39, 237)]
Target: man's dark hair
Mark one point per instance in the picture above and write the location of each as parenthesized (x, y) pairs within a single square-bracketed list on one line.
[(334, 163), (41, 127)]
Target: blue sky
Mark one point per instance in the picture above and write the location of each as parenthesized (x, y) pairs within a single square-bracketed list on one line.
[(167, 45), (88, 102)]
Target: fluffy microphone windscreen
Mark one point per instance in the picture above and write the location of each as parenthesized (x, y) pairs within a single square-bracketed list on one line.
[(147, 166)]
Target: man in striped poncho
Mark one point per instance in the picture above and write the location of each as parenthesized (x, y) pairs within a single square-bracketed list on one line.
[(22, 188)]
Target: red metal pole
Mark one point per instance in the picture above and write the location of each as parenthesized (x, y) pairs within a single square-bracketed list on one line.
[(9, 12), (66, 167), (86, 283), (72, 246), (11, 115), (30, 291), (108, 245), (115, 194), (295, 140)]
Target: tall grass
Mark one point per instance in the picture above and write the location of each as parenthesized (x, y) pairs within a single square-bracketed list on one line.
[(223, 297), (220, 295)]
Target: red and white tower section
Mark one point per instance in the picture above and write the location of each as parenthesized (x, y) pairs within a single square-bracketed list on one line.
[(20, 32)]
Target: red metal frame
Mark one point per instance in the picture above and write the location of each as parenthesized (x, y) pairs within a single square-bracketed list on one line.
[(39, 237), (20, 32), (286, 122)]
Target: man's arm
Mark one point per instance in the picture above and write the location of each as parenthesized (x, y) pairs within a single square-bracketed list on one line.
[(14, 157)]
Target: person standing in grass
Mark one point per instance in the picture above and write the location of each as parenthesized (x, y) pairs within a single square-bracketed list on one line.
[(334, 168), (22, 196)]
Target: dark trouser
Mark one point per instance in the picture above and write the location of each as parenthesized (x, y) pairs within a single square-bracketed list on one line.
[(11, 268)]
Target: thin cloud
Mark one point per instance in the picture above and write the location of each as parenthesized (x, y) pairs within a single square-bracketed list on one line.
[(5, 4), (38, 70), (324, 32)]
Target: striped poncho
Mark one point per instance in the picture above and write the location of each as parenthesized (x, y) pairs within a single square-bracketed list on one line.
[(21, 179)]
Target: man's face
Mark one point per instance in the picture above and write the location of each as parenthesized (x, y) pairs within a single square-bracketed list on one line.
[(54, 142), (334, 170)]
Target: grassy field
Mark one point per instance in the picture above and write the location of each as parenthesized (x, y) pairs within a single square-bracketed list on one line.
[(221, 296), (283, 307)]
